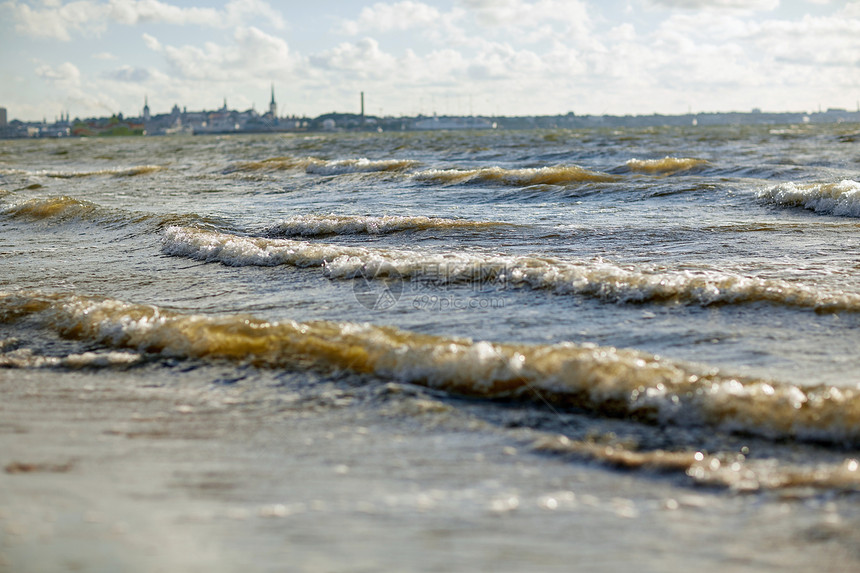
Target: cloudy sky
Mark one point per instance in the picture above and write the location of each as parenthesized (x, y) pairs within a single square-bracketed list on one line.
[(489, 57)]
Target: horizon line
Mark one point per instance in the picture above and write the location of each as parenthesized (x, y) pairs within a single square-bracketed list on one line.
[(753, 111)]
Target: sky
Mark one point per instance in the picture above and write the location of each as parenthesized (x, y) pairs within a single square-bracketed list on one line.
[(452, 57)]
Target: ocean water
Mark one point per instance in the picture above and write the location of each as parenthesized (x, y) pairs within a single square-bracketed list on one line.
[(679, 294)]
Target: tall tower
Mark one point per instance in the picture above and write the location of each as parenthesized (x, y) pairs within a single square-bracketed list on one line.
[(3, 119), (146, 116), (273, 107)]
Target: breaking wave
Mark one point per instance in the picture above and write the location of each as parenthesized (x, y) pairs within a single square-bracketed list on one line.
[(841, 199), (26, 358), (325, 167), (66, 209), (342, 166), (60, 209), (321, 225), (603, 380), (734, 472), (560, 175), (666, 165), (598, 279)]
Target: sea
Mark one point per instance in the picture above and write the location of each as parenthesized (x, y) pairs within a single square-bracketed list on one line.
[(670, 308)]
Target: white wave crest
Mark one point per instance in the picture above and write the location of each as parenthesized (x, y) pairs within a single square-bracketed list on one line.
[(841, 199), (604, 380), (556, 175), (597, 279), (363, 165), (316, 225)]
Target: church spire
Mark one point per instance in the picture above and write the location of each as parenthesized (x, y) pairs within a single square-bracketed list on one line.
[(273, 107)]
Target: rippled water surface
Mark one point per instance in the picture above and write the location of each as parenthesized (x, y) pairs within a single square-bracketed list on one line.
[(704, 279)]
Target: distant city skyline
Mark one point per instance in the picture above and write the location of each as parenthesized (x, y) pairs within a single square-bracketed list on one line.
[(94, 58)]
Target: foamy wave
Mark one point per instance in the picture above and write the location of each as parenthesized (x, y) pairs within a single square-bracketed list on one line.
[(841, 199), (736, 472), (9, 171), (602, 280), (342, 166), (666, 165), (326, 167), (317, 225), (237, 250), (560, 175), (603, 380), (26, 358)]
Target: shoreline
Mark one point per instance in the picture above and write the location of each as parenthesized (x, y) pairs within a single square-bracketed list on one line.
[(106, 470)]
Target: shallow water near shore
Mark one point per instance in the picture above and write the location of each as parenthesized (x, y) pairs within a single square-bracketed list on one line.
[(459, 344)]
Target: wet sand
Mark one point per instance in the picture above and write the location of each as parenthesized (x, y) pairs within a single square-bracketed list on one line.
[(108, 471)]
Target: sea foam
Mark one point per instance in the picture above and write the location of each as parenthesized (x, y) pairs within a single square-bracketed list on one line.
[(841, 199), (604, 380), (318, 166), (666, 165), (318, 225), (557, 175), (599, 279)]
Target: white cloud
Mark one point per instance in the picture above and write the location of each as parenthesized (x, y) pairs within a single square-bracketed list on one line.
[(67, 79), (521, 20), (151, 42), (253, 55), (743, 5), (240, 11), (52, 21), (400, 16), (851, 10), (826, 49), (89, 17), (766, 45), (734, 60), (128, 74), (360, 59), (66, 74), (519, 14), (501, 61), (509, 56)]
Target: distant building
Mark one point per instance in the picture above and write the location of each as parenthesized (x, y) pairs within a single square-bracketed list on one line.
[(146, 115), (273, 107), (3, 121)]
